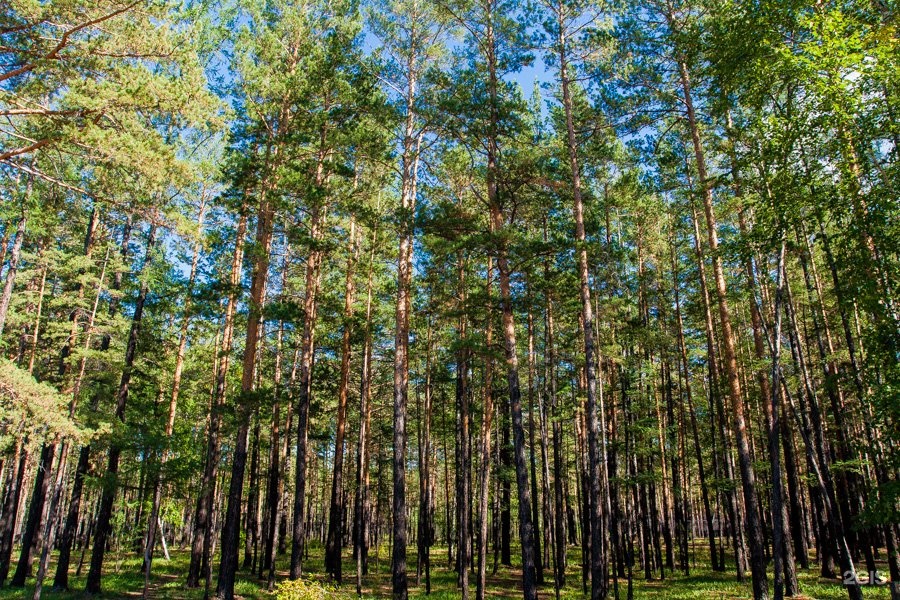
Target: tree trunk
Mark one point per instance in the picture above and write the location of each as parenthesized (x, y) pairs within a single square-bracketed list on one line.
[(231, 527), (61, 578), (202, 540), (425, 535), (526, 530), (814, 439), (307, 356), (717, 408), (14, 257), (463, 461), (778, 537), (103, 527), (698, 451), (15, 482), (277, 447), (535, 517), (599, 586), (748, 477), (49, 535), (484, 470), (559, 474), (336, 510), (251, 521), (31, 535), (173, 399), (362, 462)]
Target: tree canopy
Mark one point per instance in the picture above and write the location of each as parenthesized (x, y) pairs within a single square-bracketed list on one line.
[(386, 298)]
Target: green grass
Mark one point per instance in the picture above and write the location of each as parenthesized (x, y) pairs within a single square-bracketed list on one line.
[(123, 579)]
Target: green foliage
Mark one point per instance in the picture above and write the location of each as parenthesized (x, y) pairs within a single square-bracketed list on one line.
[(31, 409), (299, 589), (122, 117)]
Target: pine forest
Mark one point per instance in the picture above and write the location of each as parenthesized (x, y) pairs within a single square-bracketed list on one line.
[(476, 299)]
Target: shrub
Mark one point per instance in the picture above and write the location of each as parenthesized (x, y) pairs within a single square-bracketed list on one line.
[(299, 589)]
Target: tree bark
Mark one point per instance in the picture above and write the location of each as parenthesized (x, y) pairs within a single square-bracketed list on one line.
[(32, 532), (463, 458), (748, 477), (526, 530), (49, 535), (484, 470), (173, 399), (228, 564), (559, 475), (362, 462), (103, 527), (278, 447), (336, 509), (598, 557), (778, 537), (425, 534), (698, 451), (535, 517), (307, 356), (814, 440), (202, 539), (14, 257)]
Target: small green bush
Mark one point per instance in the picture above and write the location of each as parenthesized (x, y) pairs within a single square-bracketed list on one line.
[(299, 589)]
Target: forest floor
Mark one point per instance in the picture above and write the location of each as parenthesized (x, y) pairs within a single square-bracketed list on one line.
[(123, 579)]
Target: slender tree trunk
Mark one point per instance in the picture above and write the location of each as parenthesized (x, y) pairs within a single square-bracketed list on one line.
[(526, 530), (796, 512), (463, 462), (103, 527), (251, 521), (49, 535), (678, 495), (814, 439), (535, 517), (307, 356), (277, 447), (785, 580), (4, 244), (599, 586), (336, 509), (231, 527), (717, 408), (505, 492), (61, 578), (11, 501), (698, 451), (362, 464), (32, 532), (425, 535), (14, 257), (778, 537), (173, 399), (409, 176), (202, 539), (598, 558), (546, 494), (748, 477), (51, 520), (559, 474), (36, 328), (484, 470), (849, 483)]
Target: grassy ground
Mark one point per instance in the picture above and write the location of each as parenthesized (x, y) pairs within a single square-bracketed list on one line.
[(123, 579)]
